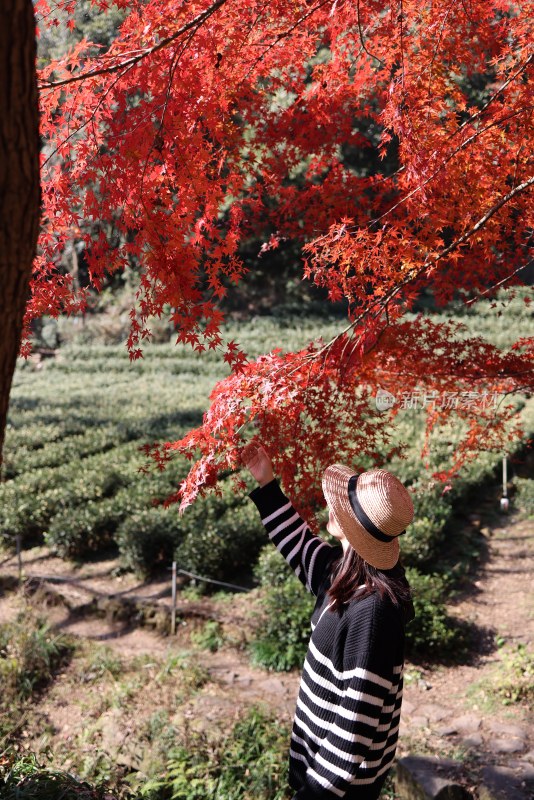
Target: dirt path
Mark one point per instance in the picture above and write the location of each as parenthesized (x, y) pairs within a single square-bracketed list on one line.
[(454, 710), (450, 712)]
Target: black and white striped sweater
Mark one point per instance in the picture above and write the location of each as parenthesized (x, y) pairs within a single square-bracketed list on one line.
[(346, 722)]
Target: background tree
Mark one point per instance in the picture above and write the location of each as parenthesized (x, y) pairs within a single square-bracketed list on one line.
[(19, 181), (206, 124)]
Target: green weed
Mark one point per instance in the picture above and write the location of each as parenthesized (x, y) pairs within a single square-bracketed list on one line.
[(514, 682), (102, 662), (193, 676), (23, 777), (511, 682), (249, 764), (524, 497), (29, 654), (209, 637)]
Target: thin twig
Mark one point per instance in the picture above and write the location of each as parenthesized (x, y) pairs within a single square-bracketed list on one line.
[(461, 146), (482, 221), (283, 35), (444, 163), (197, 21), (414, 274), (362, 40), (87, 121), (496, 285), (436, 49)]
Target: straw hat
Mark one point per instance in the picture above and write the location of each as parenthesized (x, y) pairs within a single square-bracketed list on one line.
[(372, 509)]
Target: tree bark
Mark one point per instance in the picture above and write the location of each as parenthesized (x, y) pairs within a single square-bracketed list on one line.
[(19, 182)]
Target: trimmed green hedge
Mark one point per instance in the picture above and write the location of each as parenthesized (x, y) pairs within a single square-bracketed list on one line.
[(524, 496), (282, 636), (223, 536)]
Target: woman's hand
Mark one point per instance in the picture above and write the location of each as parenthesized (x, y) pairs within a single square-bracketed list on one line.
[(258, 463)]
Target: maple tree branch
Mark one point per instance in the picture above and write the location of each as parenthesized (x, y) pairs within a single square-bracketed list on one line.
[(461, 240), (88, 121), (284, 35), (383, 304), (482, 221), (436, 49), (174, 65), (467, 14), (463, 144), (497, 92), (401, 19), (499, 283), (126, 65), (444, 163), (362, 40)]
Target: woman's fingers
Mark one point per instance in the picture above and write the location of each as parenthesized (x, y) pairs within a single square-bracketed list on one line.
[(257, 461), (250, 453)]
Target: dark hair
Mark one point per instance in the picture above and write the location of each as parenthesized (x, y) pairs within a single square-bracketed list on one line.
[(350, 572)]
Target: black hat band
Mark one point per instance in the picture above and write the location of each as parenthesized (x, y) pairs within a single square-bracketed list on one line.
[(362, 517)]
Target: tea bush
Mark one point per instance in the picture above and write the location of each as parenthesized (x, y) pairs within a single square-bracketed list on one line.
[(29, 502), (282, 636), (147, 538), (425, 534), (433, 632), (73, 533), (524, 497), (271, 568), (220, 539)]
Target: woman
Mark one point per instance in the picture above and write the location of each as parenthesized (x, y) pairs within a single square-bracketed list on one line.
[(346, 722)]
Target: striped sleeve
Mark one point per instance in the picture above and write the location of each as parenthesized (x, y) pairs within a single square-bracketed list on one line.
[(307, 554)]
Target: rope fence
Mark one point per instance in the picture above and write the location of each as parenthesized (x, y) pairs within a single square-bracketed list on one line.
[(211, 580)]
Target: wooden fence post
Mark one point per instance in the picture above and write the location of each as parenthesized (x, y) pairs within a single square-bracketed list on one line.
[(173, 612)]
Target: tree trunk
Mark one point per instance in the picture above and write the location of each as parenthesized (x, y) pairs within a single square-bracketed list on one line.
[(19, 181)]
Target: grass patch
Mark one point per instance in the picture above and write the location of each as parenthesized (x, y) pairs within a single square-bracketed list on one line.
[(511, 682), (248, 764), (192, 676), (209, 636), (25, 778), (30, 653), (102, 662)]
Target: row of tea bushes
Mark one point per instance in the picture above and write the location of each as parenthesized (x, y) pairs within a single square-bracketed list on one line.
[(72, 456), (77, 513)]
